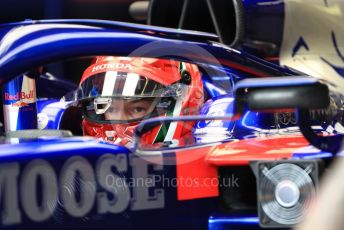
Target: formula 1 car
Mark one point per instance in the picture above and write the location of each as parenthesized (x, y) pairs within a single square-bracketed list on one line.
[(251, 165)]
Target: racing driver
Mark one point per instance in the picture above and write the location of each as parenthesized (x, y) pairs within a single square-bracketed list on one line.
[(118, 92)]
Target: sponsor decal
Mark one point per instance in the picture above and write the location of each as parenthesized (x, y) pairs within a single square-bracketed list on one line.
[(19, 96), (20, 104), (37, 190), (111, 66), (22, 98)]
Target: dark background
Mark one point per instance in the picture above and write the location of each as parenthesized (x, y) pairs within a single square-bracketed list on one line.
[(18, 10), (167, 13)]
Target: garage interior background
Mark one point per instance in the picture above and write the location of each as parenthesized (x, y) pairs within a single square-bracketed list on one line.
[(18, 10)]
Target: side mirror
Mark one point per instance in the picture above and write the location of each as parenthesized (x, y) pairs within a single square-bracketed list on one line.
[(285, 93), (279, 93)]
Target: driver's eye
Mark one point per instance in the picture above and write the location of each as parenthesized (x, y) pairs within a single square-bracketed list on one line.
[(138, 109)]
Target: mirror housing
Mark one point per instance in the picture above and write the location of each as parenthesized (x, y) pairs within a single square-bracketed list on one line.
[(300, 93), (280, 93)]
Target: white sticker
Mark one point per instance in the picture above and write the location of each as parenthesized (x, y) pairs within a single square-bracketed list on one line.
[(42, 121), (313, 39)]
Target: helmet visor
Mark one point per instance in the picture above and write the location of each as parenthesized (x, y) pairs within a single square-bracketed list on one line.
[(115, 110), (124, 85)]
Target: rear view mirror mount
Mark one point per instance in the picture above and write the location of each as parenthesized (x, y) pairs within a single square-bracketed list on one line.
[(149, 124)]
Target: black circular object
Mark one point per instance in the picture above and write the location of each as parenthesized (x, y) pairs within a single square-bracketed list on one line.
[(185, 77)]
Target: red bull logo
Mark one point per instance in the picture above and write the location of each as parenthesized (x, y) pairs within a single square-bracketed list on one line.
[(20, 96), (20, 104), (19, 99)]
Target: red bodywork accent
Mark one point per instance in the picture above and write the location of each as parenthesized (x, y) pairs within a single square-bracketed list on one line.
[(272, 59), (197, 174), (195, 177), (243, 151), (243, 68)]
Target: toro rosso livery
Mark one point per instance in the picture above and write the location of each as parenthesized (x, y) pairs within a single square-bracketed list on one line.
[(248, 161)]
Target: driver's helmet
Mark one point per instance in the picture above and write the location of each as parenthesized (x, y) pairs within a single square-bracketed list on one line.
[(118, 92)]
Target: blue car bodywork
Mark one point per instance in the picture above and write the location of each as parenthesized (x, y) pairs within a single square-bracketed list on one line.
[(35, 175)]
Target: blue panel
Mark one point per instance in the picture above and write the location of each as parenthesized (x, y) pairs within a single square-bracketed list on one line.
[(213, 91), (50, 113), (312, 153), (48, 147), (106, 167), (233, 222), (277, 82), (53, 87), (159, 31), (48, 43)]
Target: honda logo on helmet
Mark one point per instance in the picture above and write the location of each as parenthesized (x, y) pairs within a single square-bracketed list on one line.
[(112, 66)]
